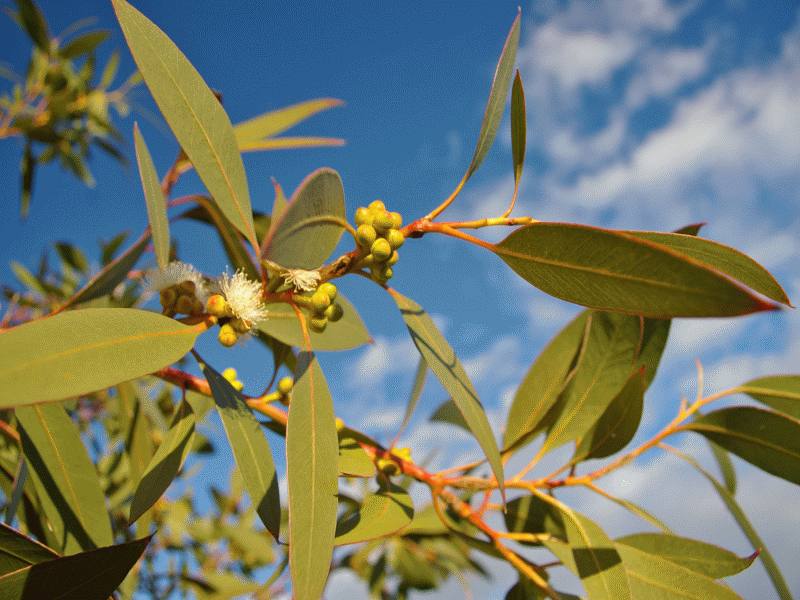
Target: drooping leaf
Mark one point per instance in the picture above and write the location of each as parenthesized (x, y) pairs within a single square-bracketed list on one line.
[(277, 121), (250, 449), (73, 256), (28, 279), (110, 70), (353, 461), (448, 369), (91, 575), (348, 332), (653, 341), (312, 460), (518, 127), (606, 363), (722, 258), (82, 351), (766, 439), (655, 578), (781, 392), (448, 413), (612, 270), (279, 206), (308, 230), (639, 512), (166, 462), (65, 478), (194, 114), (83, 44), (34, 23), (725, 466), (388, 510), (112, 275), (618, 424), (700, 557), (531, 514), (137, 437), (497, 98), (18, 551), (416, 392), (154, 197)]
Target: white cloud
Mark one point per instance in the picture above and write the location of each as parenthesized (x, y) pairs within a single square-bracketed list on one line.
[(661, 72), (498, 362)]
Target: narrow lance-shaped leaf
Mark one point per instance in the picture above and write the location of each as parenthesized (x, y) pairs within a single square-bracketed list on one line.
[(250, 449), (57, 578), (82, 351), (416, 392), (64, 477), (312, 459), (448, 369), (194, 114), (277, 121), (766, 439), (612, 270), (166, 462), (781, 392), (382, 513), (83, 44), (154, 197), (518, 128), (18, 551)]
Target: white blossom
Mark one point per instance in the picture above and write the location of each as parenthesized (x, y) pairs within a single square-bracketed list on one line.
[(302, 280), (174, 273), (244, 297)]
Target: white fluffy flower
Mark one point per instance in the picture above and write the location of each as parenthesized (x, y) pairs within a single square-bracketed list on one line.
[(174, 273), (243, 296), (302, 280)]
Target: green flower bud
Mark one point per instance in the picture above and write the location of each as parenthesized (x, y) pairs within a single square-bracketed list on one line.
[(329, 289), (227, 335), (285, 385), (365, 235), (376, 206), (383, 221), (397, 220), (392, 260), (368, 261), (381, 250), (334, 312), (197, 307), (386, 273), (184, 305), (187, 287), (168, 297), (320, 301), (363, 217), (318, 324), (395, 239)]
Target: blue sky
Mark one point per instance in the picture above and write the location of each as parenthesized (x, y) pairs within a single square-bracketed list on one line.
[(642, 115)]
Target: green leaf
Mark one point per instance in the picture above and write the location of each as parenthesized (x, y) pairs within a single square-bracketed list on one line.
[(348, 332), (35, 24), (277, 121), (65, 478), (166, 462), (27, 170), (654, 578), (82, 351), (531, 514), (725, 466), (156, 204), (781, 392), (110, 70), (654, 334), (706, 559), (545, 380), (194, 114), (73, 256), (497, 98), (606, 362), (28, 279), (307, 232), (235, 250), (597, 562), (448, 369), (618, 424), (250, 449), (612, 270), (290, 143), (353, 461), (387, 510), (766, 439), (279, 206), (137, 432), (416, 392), (518, 127), (18, 551), (448, 413), (91, 575), (639, 512), (722, 258), (312, 459), (112, 275), (83, 44)]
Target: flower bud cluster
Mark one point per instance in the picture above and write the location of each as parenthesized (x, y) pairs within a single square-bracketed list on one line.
[(180, 287), (230, 375), (379, 232), (324, 307), (388, 466)]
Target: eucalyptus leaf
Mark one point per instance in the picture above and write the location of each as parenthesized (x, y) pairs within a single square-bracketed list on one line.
[(387, 510), (353, 460), (154, 197), (277, 121), (18, 551), (781, 392)]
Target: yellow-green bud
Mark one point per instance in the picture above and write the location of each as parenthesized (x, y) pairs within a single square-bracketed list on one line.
[(392, 260), (168, 297), (376, 206), (395, 239), (383, 221), (365, 235), (334, 312), (368, 261), (217, 305), (401, 453), (240, 325), (386, 273), (397, 220), (227, 335), (184, 305), (329, 289), (320, 301), (187, 287), (229, 374), (197, 307), (339, 424), (381, 250), (285, 385), (363, 217), (318, 324), (388, 467)]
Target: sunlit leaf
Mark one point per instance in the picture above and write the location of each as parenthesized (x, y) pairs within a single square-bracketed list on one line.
[(277, 121), (518, 127), (83, 44), (154, 197), (65, 478), (766, 439), (18, 551), (194, 114), (387, 510), (700, 557), (307, 232), (110, 70), (781, 392), (82, 351), (166, 462), (448, 369), (250, 449), (353, 461), (531, 514), (348, 332), (724, 259), (91, 575), (137, 437), (416, 392), (655, 578), (73, 256), (546, 378), (312, 459), (612, 270), (290, 143), (448, 413)]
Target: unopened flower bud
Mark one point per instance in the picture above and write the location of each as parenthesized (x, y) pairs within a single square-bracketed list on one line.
[(227, 335)]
